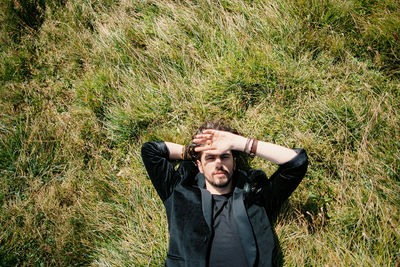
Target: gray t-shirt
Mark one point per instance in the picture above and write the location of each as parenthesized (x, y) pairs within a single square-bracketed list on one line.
[(226, 247)]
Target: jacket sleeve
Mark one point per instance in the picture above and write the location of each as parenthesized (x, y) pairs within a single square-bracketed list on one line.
[(155, 156), (284, 181)]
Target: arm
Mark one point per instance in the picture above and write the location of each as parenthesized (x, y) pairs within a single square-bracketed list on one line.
[(155, 156), (284, 181), (221, 140), (275, 153), (175, 151)]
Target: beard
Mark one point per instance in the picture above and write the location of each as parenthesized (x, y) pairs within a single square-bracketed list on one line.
[(220, 185)]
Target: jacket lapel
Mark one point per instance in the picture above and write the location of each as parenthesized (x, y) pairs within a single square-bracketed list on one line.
[(244, 227), (206, 200)]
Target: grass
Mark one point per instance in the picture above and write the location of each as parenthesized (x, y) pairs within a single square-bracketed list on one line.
[(83, 84)]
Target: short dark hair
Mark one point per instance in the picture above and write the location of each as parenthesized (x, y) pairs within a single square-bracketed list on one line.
[(242, 159)]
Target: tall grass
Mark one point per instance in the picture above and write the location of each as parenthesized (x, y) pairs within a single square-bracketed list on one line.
[(85, 83)]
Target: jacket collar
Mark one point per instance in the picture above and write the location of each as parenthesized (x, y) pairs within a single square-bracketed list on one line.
[(200, 180)]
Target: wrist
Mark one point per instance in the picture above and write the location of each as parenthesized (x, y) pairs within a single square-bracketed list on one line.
[(187, 153), (239, 143), (250, 146)]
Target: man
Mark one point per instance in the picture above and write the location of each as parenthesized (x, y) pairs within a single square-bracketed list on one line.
[(218, 214)]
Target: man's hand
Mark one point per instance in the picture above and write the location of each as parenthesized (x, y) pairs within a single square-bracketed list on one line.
[(218, 141)]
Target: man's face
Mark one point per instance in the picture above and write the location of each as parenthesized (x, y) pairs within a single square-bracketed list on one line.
[(217, 167)]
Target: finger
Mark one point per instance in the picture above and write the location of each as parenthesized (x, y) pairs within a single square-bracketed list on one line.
[(206, 136), (208, 131), (200, 140), (204, 148), (200, 149)]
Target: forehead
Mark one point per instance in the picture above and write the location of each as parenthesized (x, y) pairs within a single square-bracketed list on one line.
[(215, 153)]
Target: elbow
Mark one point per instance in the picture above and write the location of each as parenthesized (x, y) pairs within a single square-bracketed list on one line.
[(299, 160)]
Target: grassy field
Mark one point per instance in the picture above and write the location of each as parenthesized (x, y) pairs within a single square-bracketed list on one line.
[(84, 83)]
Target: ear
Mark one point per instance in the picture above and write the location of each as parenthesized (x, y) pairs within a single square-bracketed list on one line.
[(199, 166)]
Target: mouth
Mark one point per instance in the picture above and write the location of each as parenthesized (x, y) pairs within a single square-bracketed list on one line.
[(221, 174)]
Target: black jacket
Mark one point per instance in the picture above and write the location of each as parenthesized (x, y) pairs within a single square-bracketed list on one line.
[(189, 206)]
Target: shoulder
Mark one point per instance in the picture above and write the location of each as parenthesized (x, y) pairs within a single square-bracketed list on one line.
[(188, 170), (251, 179), (251, 174)]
